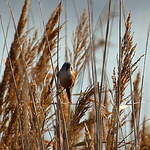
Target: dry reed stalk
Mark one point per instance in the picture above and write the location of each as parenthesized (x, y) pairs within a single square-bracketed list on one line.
[(65, 106)]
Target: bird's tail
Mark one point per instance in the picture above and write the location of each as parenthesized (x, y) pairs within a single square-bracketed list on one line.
[(68, 94)]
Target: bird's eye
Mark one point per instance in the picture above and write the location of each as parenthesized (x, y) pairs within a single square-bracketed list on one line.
[(71, 68)]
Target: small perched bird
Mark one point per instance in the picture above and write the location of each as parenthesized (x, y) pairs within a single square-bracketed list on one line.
[(66, 77)]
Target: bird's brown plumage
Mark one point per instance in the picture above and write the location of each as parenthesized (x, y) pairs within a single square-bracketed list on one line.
[(67, 77)]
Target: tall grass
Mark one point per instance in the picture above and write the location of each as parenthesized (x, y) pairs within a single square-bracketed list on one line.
[(34, 110)]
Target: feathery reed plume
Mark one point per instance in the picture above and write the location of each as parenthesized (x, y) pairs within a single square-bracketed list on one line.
[(126, 70), (80, 43), (12, 82), (76, 125), (14, 51), (127, 54), (90, 127), (145, 135), (43, 72), (47, 47), (22, 102), (29, 116), (30, 51), (50, 30), (88, 139), (136, 99)]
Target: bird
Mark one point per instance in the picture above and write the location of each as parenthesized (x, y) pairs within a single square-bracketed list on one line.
[(66, 77)]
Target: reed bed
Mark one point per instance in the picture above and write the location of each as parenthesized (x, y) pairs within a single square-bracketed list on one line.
[(35, 113)]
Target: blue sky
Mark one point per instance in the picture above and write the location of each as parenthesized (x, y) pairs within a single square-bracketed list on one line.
[(140, 18)]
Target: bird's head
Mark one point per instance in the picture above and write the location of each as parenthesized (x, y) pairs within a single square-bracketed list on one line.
[(66, 66)]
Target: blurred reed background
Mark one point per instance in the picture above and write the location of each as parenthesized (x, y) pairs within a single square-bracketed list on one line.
[(106, 110)]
